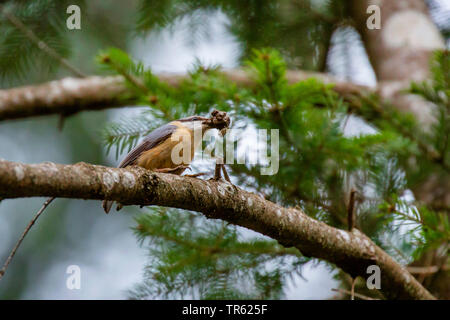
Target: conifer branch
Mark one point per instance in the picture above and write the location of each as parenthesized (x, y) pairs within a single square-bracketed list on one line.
[(352, 251), (39, 43)]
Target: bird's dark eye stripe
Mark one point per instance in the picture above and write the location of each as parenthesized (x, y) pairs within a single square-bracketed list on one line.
[(192, 118)]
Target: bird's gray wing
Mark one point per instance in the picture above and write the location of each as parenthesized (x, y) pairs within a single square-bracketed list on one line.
[(153, 139)]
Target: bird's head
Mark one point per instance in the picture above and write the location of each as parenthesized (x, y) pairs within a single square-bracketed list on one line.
[(193, 121)]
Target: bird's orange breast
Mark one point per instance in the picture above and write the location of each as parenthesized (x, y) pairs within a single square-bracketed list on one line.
[(161, 156)]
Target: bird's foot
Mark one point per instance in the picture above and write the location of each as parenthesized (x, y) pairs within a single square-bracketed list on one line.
[(225, 174), (195, 175), (220, 168), (177, 170), (217, 172)]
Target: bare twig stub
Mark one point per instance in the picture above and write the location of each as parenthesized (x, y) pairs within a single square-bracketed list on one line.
[(351, 210), (352, 251)]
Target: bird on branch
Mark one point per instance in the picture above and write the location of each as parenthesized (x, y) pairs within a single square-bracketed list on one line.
[(171, 147)]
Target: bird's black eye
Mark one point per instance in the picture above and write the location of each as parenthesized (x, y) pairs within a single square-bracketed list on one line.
[(194, 118)]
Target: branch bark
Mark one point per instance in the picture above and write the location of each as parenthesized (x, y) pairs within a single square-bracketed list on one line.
[(351, 251), (63, 97), (71, 95)]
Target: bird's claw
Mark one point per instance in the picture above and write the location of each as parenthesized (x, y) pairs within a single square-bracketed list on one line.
[(177, 170), (195, 175), (220, 168)]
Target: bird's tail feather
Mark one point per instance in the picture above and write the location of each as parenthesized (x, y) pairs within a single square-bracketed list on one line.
[(107, 205)]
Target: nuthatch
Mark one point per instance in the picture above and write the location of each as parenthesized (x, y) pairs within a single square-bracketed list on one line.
[(155, 151)]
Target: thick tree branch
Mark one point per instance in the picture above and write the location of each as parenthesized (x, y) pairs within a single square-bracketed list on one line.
[(63, 97), (351, 251), (72, 95)]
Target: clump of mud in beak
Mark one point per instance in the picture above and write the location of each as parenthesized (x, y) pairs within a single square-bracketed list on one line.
[(220, 121)]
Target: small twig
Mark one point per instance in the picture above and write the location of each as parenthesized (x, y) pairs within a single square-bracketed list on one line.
[(39, 43), (413, 219), (352, 293), (13, 252), (225, 173), (397, 250), (351, 210), (423, 270), (358, 295)]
